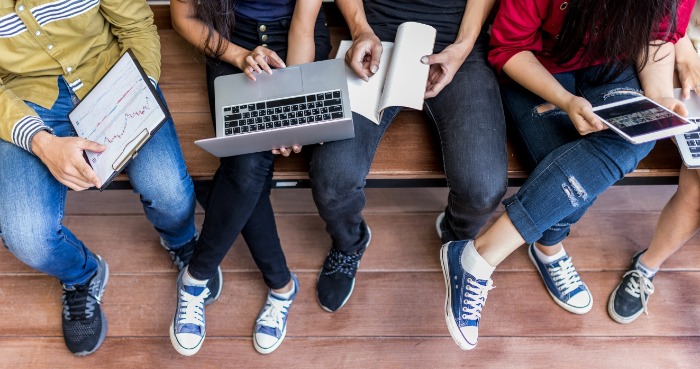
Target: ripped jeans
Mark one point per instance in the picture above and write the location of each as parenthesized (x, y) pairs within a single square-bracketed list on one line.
[(568, 171)]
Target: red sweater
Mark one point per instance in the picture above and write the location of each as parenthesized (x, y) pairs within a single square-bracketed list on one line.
[(535, 25)]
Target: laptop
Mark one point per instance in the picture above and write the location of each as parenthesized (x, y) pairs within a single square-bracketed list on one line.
[(689, 142), (299, 105)]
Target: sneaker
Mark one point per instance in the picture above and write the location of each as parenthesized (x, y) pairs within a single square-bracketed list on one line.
[(631, 296), (465, 296), (337, 278), (182, 256), (271, 325), (563, 283), (84, 323), (188, 329)]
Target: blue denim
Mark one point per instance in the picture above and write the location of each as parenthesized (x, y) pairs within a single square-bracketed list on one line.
[(469, 118), (569, 171), (32, 202)]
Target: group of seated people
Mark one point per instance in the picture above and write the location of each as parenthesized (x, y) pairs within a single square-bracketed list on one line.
[(539, 67)]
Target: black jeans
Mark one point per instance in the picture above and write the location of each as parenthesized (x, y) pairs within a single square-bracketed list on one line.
[(239, 197)]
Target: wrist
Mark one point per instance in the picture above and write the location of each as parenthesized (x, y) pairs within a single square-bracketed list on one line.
[(40, 141)]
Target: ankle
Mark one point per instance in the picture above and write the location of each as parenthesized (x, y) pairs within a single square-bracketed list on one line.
[(549, 256), (189, 280)]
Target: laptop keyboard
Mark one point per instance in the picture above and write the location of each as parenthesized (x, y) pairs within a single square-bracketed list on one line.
[(287, 112), (692, 138)]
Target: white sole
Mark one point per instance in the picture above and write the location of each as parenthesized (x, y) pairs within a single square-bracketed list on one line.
[(176, 345), (569, 308), (613, 314), (438, 221), (455, 333), (270, 349)]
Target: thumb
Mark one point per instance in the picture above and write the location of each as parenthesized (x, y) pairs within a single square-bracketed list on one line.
[(433, 59), (88, 145), (376, 56)]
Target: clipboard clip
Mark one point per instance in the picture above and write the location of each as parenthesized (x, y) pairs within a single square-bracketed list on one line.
[(130, 150)]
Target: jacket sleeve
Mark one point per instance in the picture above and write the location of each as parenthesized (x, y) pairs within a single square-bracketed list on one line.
[(18, 122), (132, 24), (515, 29)]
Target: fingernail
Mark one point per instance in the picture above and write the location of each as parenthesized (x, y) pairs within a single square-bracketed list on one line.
[(366, 79), (424, 60), (374, 69), (284, 65)]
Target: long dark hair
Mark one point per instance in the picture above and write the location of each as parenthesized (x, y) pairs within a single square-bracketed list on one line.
[(218, 16), (617, 31)]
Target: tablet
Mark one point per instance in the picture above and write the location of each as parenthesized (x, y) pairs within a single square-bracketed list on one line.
[(640, 119)]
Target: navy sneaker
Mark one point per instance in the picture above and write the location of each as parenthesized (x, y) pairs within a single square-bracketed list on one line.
[(181, 258), (271, 324), (337, 278), (188, 327), (465, 298), (630, 298), (563, 283), (84, 323)]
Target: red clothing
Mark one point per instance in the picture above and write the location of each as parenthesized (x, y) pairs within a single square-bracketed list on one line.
[(535, 25)]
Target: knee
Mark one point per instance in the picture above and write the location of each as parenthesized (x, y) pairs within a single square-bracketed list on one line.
[(31, 244), (246, 172), (479, 195), (170, 195), (331, 184)]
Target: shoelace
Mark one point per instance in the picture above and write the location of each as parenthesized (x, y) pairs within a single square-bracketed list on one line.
[(191, 310), (274, 313), (77, 305), (181, 256), (475, 298), (342, 263), (565, 276), (640, 287)]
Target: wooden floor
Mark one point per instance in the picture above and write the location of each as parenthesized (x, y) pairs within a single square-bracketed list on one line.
[(394, 318)]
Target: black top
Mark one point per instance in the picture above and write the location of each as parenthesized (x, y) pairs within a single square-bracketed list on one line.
[(264, 10), (384, 16)]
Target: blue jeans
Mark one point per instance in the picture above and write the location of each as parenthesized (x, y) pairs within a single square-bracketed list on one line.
[(33, 201), (569, 170), (470, 122)]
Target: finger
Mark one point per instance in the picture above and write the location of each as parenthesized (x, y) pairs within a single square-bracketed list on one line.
[(356, 64), (72, 185), (249, 72), (72, 178), (686, 90), (375, 57), (253, 64), (275, 59), (88, 145), (284, 151), (275, 151), (592, 120), (296, 149), (680, 109), (262, 63), (89, 177), (434, 59)]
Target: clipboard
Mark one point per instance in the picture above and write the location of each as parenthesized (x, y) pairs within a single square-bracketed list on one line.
[(122, 111)]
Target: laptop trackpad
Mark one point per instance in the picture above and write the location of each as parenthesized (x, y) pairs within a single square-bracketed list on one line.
[(282, 82)]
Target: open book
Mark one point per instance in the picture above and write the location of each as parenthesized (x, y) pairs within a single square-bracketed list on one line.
[(401, 78)]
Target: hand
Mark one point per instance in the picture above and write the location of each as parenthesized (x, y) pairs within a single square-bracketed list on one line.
[(63, 156), (258, 60), (689, 76), (286, 152), (672, 104), (443, 67), (364, 55), (580, 112)]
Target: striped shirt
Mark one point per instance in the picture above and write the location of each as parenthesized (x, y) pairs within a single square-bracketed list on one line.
[(77, 39)]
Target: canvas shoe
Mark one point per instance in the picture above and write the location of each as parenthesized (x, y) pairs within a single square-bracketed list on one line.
[(188, 327), (337, 278), (465, 296), (631, 296), (271, 324), (181, 258), (84, 323), (563, 283)]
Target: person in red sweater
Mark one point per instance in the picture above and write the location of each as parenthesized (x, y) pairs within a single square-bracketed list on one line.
[(561, 58)]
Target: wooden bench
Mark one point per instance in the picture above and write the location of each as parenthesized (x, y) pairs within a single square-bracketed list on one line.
[(407, 156)]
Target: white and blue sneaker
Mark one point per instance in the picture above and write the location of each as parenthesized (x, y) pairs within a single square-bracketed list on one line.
[(466, 296), (271, 325), (563, 283), (188, 329)]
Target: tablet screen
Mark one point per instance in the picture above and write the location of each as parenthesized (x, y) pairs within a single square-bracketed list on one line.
[(640, 117)]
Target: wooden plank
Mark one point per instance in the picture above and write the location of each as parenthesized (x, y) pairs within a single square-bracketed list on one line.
[(373, 352), (383, 304)]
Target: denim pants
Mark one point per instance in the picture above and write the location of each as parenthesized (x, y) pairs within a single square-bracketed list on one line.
[(32, 201), (239, 198), (569, 170), (471, 126)]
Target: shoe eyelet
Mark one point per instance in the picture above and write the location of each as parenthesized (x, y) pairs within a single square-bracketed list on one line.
[(464, 316)]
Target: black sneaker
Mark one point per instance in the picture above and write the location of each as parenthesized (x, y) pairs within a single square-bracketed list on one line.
[(182, 256), (84, 323), (630, 297), (337, 278)]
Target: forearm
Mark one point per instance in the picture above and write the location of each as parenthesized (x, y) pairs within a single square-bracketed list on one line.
[(301, 47), (685, 51), (354, 14), (656, 76), (525, 69), (475, 14)]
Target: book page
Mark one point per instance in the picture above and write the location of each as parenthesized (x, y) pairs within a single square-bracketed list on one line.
[(365, 96), (407, 76), (119, 112)]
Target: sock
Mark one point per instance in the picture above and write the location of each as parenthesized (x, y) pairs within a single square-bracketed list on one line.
[(191, 281), (474, 264), (285, 295), (647, 271), (547, 258)]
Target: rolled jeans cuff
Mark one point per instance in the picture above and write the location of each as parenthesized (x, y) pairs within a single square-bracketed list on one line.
[(521, 219)]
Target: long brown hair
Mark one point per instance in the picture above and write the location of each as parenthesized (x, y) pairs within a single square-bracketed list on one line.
[(217, 16)]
